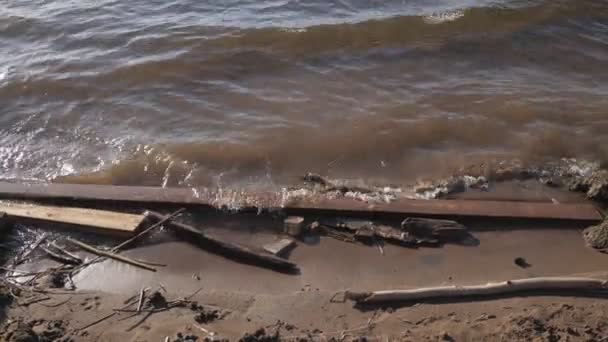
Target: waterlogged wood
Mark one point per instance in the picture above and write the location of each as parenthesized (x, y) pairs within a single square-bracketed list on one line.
[(572, 285), (99, 220), (202, 197), (227, 249)]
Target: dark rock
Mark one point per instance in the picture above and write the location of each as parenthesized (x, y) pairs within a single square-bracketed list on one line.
[(21, 332), (261, 335), (157, 300), (207, 316), (446, 337), (521, 262), (572, 331)]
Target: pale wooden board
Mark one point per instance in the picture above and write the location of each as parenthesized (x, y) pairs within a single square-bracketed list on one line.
[(278, 247), (100, 220)]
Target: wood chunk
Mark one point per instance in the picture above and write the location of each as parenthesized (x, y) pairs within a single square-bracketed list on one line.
[(86, 219), (293, 225), (279, 247)]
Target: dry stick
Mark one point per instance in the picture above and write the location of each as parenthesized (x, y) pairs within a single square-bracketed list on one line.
[(62, 250), (110, 255), (56, 304), (34, 246), (147, 230), (576, 285), (141, 299), (97, 321), (60, 258)]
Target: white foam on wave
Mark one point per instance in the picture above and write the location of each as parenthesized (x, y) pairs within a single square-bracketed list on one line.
[(438, 18)]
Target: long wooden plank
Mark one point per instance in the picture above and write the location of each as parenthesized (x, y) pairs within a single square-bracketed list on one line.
[(98, 220), (204, 197), (457, 208)]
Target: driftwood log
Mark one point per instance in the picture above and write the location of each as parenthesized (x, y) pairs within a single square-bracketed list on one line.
[(576, 285), (230, 250)]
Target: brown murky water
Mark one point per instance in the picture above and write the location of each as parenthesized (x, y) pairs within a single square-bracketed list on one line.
[(233, 93)]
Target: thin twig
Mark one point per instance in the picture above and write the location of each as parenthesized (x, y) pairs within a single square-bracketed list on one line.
[(97, 321), (140, 321), (62, 250), (110, 255), (33, 301), (61, 258), (141, 299), (379, 246), (27, 254), (146, 231), (56, 304)]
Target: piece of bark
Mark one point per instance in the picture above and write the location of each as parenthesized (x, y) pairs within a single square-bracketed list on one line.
[(279, 247), (574, 285), (443, 230), (110, 255), (230, 250), (451, 234)]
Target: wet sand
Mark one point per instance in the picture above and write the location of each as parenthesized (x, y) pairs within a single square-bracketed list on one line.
[(250, 297), (331, 265)]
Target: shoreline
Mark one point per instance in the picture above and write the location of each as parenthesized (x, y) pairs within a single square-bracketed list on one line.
[(241, 299)]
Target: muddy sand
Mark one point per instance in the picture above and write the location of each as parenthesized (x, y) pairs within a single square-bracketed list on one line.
[(201, 296)]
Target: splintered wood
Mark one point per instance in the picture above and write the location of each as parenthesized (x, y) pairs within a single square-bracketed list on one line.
[(87, 219)]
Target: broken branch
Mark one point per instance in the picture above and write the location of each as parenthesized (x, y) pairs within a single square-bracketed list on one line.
[(60, 258), (110, 255), (576, 285)]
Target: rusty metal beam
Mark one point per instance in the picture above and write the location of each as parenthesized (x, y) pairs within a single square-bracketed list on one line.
[(202, 197)]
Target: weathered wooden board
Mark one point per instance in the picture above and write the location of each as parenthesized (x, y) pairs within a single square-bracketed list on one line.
[(97, 220), (203, 197), (279, 247), (454, 208)]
